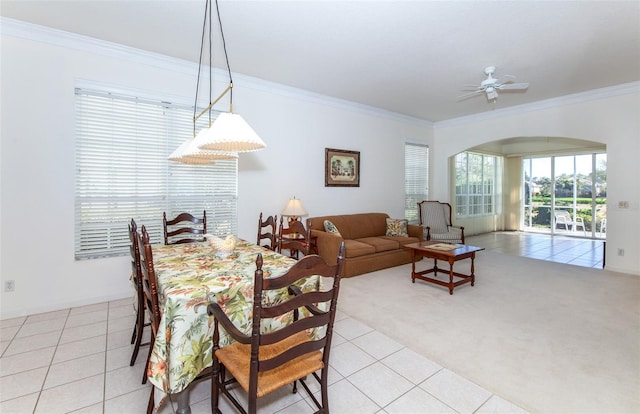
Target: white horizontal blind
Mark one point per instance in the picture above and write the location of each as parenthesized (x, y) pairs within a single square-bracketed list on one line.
[(122, 172), (416, 179)]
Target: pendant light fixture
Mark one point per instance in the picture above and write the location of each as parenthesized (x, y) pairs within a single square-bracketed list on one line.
[(192, 152), (229, 132)]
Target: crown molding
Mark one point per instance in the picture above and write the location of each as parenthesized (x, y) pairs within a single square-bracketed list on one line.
[(592, 95), (86, 44)]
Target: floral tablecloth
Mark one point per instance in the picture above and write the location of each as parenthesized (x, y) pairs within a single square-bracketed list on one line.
[(189, 277)]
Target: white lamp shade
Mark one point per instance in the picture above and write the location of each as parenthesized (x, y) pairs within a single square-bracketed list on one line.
[(294, 208), (189, 153), (230, 133)]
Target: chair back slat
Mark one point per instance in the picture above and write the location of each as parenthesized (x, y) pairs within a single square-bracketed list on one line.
[(182, 224)]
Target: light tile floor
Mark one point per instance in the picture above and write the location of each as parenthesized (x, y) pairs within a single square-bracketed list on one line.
[(77, 360), (557, 248)]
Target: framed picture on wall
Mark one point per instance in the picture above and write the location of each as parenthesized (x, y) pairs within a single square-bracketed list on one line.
[(341, 168)]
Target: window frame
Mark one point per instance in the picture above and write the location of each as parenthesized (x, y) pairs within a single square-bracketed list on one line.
[(477, 185)]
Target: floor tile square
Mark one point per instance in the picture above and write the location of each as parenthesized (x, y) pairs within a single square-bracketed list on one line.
[(344, 397), (350, 328), (47, 316), (348, 358), (417, 401), (4, 323), (125, 380), (35, 328), (411, 365), (26, 361), (21, 384), (77, 349), (380, 383), (9, 332), (458, 393), (24, 404), (75, 369), (71, 396), (86, 318), (31, 343), (89, 308), (376, 344), (77, 333)]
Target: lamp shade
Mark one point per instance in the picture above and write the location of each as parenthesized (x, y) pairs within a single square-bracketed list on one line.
[(294, 208), (230, 133), (189, 153)]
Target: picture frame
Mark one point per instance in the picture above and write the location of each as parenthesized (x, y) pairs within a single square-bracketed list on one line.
[(341, 168)]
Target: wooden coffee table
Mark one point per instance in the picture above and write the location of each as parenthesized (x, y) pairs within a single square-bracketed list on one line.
[(442, 251)]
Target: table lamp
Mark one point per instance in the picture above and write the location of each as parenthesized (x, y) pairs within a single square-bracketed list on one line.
[(294, 209)]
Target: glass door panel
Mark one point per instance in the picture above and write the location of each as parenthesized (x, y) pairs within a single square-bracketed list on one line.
[(537, 197)]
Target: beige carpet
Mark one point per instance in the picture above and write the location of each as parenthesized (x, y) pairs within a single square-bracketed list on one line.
[(549, 337)]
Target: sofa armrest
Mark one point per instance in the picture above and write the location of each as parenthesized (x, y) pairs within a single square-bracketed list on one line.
[(328, 245), (415, 231)]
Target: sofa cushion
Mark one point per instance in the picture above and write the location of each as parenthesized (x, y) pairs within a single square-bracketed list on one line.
[(353, 248), (396, 227), (329, 227), (381, 244), (402, 241)]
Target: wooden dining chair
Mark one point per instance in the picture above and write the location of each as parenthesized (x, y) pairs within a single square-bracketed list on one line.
[(150, 289), (267, 230), (179, 229), (136, 277), (295, 238), (263, 362)]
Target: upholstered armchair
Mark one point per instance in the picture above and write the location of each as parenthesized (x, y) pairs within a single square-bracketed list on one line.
[(435, 217)]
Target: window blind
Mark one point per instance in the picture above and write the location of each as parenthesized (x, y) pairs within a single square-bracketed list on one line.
[(122, 172), (416, 179)]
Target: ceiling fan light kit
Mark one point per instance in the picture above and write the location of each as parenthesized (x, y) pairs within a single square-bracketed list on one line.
[(490, 86)]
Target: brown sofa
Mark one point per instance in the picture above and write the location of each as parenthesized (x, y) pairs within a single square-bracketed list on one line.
[(367, 248)]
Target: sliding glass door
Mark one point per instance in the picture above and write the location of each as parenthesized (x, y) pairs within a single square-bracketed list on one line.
[(566, 195)]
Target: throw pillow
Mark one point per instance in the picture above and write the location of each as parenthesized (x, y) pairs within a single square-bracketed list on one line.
[(329, 227), (397, 227)]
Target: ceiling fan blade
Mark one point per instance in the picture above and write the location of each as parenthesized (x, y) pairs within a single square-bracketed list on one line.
[(470, 94), (513, 86)]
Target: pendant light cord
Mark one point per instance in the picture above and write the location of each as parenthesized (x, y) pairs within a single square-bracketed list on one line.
[(226, 58), (204, 29)]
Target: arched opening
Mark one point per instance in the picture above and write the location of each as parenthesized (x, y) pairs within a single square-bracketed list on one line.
[(548, 185)]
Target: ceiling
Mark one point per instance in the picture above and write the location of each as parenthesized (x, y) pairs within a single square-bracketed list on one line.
[(409, 57)]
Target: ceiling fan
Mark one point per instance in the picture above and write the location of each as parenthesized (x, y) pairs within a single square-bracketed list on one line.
[(491, 85)]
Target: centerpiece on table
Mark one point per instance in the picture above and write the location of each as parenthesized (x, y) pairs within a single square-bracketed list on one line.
[(222, 247)]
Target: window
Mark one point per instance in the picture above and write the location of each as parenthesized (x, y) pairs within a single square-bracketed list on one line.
[(477, 188), (122, 172), (416, 179)]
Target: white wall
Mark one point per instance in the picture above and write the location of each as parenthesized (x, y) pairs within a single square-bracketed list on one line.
[(613, 120), (39, 69)]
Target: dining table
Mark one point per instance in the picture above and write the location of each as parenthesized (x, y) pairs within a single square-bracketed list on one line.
[(189, 277)]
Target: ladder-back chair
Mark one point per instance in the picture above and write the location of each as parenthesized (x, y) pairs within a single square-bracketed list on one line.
[(151, 299), (263, 362), (295, 238), (267, 231), (136, 278)]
